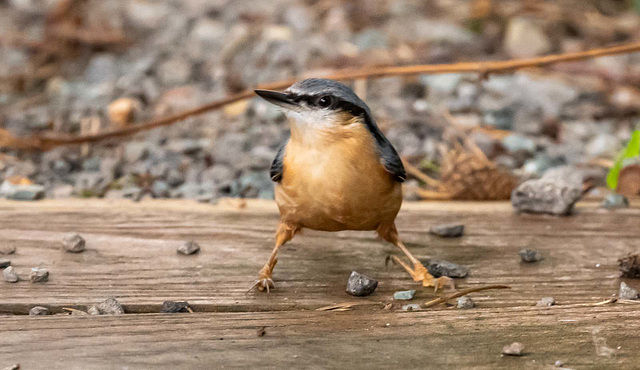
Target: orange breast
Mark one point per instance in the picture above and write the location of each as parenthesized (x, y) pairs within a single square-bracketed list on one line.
[(337, 182)]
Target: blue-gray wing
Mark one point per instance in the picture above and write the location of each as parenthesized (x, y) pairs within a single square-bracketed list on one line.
[(390, 158), (277, 166)]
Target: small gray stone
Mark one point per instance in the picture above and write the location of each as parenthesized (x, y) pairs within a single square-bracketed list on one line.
[(627, 292), (93, 310), (39, 275), (73, 243), (10, 275), (546, 302), (529, 255), (21, 192), (411, 307), (173, 307), (549, 196), (513, 349), (439, 268), (613, 201), (4, 263), (525, 38), (448, 230), (465, 302), (38, 311), (559, 363), (189, 247), (404, 295), (518, 143), (360, 285), (110, 306)]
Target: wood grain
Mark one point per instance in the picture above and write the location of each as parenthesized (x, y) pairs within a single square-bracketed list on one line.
[(131, 255)]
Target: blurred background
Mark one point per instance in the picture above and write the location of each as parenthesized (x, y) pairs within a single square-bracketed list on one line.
[(70, 67)]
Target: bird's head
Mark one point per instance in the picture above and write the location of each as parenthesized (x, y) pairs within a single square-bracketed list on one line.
[(319, 106)]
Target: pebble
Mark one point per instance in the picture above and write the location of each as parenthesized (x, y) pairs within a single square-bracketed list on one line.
[(10, 275), (38, 311), (439, 268), (546, 302), (360, 285), (559, 363), (39, 275), (529, 255), (22, 191), (448, 230), (411, 307), (173, 307), (189, 247), (627, 292), (465, 303), (513, 349), (525, 38), (110, 306), (404, 295), (614, 201), (546, 196), (4, 263), (73, 243)]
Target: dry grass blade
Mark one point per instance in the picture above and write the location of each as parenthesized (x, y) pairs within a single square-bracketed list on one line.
[(484, 68), (463, 293)]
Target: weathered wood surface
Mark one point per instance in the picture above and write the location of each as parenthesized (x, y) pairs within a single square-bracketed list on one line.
[(131, 255)]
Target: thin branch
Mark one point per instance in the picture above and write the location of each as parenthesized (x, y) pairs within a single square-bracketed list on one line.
[(463, 292), (484, 68)]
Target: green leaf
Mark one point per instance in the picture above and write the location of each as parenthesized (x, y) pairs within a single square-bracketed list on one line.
[(632, 150)]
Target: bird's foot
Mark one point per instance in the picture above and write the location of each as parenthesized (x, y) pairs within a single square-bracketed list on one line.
[(419, 273), (265, 281)]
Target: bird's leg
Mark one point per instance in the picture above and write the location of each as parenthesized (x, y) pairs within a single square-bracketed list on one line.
[(265, 281), (418, 272)]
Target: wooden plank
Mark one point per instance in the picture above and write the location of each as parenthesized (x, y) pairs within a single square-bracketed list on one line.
[(299, 339), (132, 256)]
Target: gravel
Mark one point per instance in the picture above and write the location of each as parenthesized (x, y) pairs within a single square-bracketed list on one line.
[(530, 256), (555, 197), (173, 307), (546, 302), (439, 268), (39, 275), (73, 243), (404, 295), (513, 349), (465, 302), (448, 230), (10, 275), (614, 201), (188, 248), (411, 307), (361, 285), (38, 311), (4, 263), (627, 292), (110, 306)]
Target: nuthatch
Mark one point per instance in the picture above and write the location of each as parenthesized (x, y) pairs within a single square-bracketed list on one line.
[(336, 172)]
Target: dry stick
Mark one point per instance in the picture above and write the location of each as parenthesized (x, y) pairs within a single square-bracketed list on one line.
[(483, 68), (463, 292)]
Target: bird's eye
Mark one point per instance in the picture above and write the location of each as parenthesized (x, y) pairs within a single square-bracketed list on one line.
[(324, 101)]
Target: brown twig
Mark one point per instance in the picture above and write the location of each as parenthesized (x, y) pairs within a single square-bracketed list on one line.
[(462, 293), (484, 68)]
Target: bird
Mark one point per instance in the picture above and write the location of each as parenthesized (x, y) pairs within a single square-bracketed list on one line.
[(336, 171)]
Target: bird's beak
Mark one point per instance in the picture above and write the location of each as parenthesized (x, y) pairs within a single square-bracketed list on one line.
[(277, 98)]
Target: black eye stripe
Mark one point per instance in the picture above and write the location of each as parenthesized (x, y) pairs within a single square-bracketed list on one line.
[(337, 103)]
